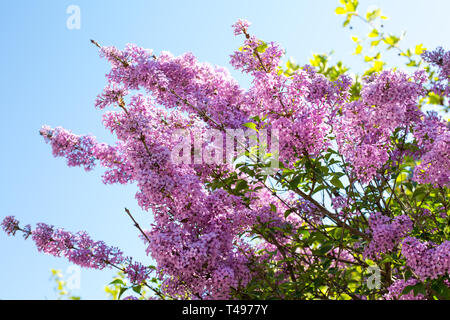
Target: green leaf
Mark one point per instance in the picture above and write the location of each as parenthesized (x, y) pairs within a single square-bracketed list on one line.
[(374, 33), (351, 5), (241, 185), (419, 288), (370, 16), (262, 47), (419, 194), (340, 10), (337, 183), (273, 208), (391, 40), (319, 188), (419, 49), (122, 290), (325, 248), (346, 22), (374, 43), (250, 125), (287, 212), (137, 289), (407, 289), (294, 182), (291, 65), (117, 281), (378, 66), (433, 98)]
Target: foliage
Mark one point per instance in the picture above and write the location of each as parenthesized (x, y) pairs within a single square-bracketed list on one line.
[(61, 286)]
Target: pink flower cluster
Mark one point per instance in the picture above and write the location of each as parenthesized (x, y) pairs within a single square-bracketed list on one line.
[(340, 202), (257, 56), (440, 59), (389, 101), (299, 107), (85, 151), (111, 95), (78, 248), (396, 289), (10, 225), (386, 233), (426, 259), (240, 26), (433, 138), (136, 272), (76, 149)]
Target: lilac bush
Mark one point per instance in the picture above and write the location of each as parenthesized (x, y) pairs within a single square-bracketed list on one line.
[(362, 178)]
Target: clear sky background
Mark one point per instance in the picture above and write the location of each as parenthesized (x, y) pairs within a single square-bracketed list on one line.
[(51, 75)]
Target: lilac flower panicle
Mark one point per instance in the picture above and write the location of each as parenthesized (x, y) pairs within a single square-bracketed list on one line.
[(136, 272), (440, 59), (10, 225), (426, 259), (240, 26), (396, 288), (386, 233)]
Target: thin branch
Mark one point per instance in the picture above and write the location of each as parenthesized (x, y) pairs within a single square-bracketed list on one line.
[(137, 225)]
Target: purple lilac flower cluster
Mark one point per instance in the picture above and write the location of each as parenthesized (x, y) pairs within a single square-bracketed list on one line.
[(386, 233)]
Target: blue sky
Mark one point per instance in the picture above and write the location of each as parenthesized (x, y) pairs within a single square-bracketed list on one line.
[(51, 75)]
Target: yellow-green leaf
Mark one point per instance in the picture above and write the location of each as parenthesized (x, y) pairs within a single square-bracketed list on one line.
[(370, 16), (340, 10), (378, 65), (374, 33), (374, 43), (419, 49)]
